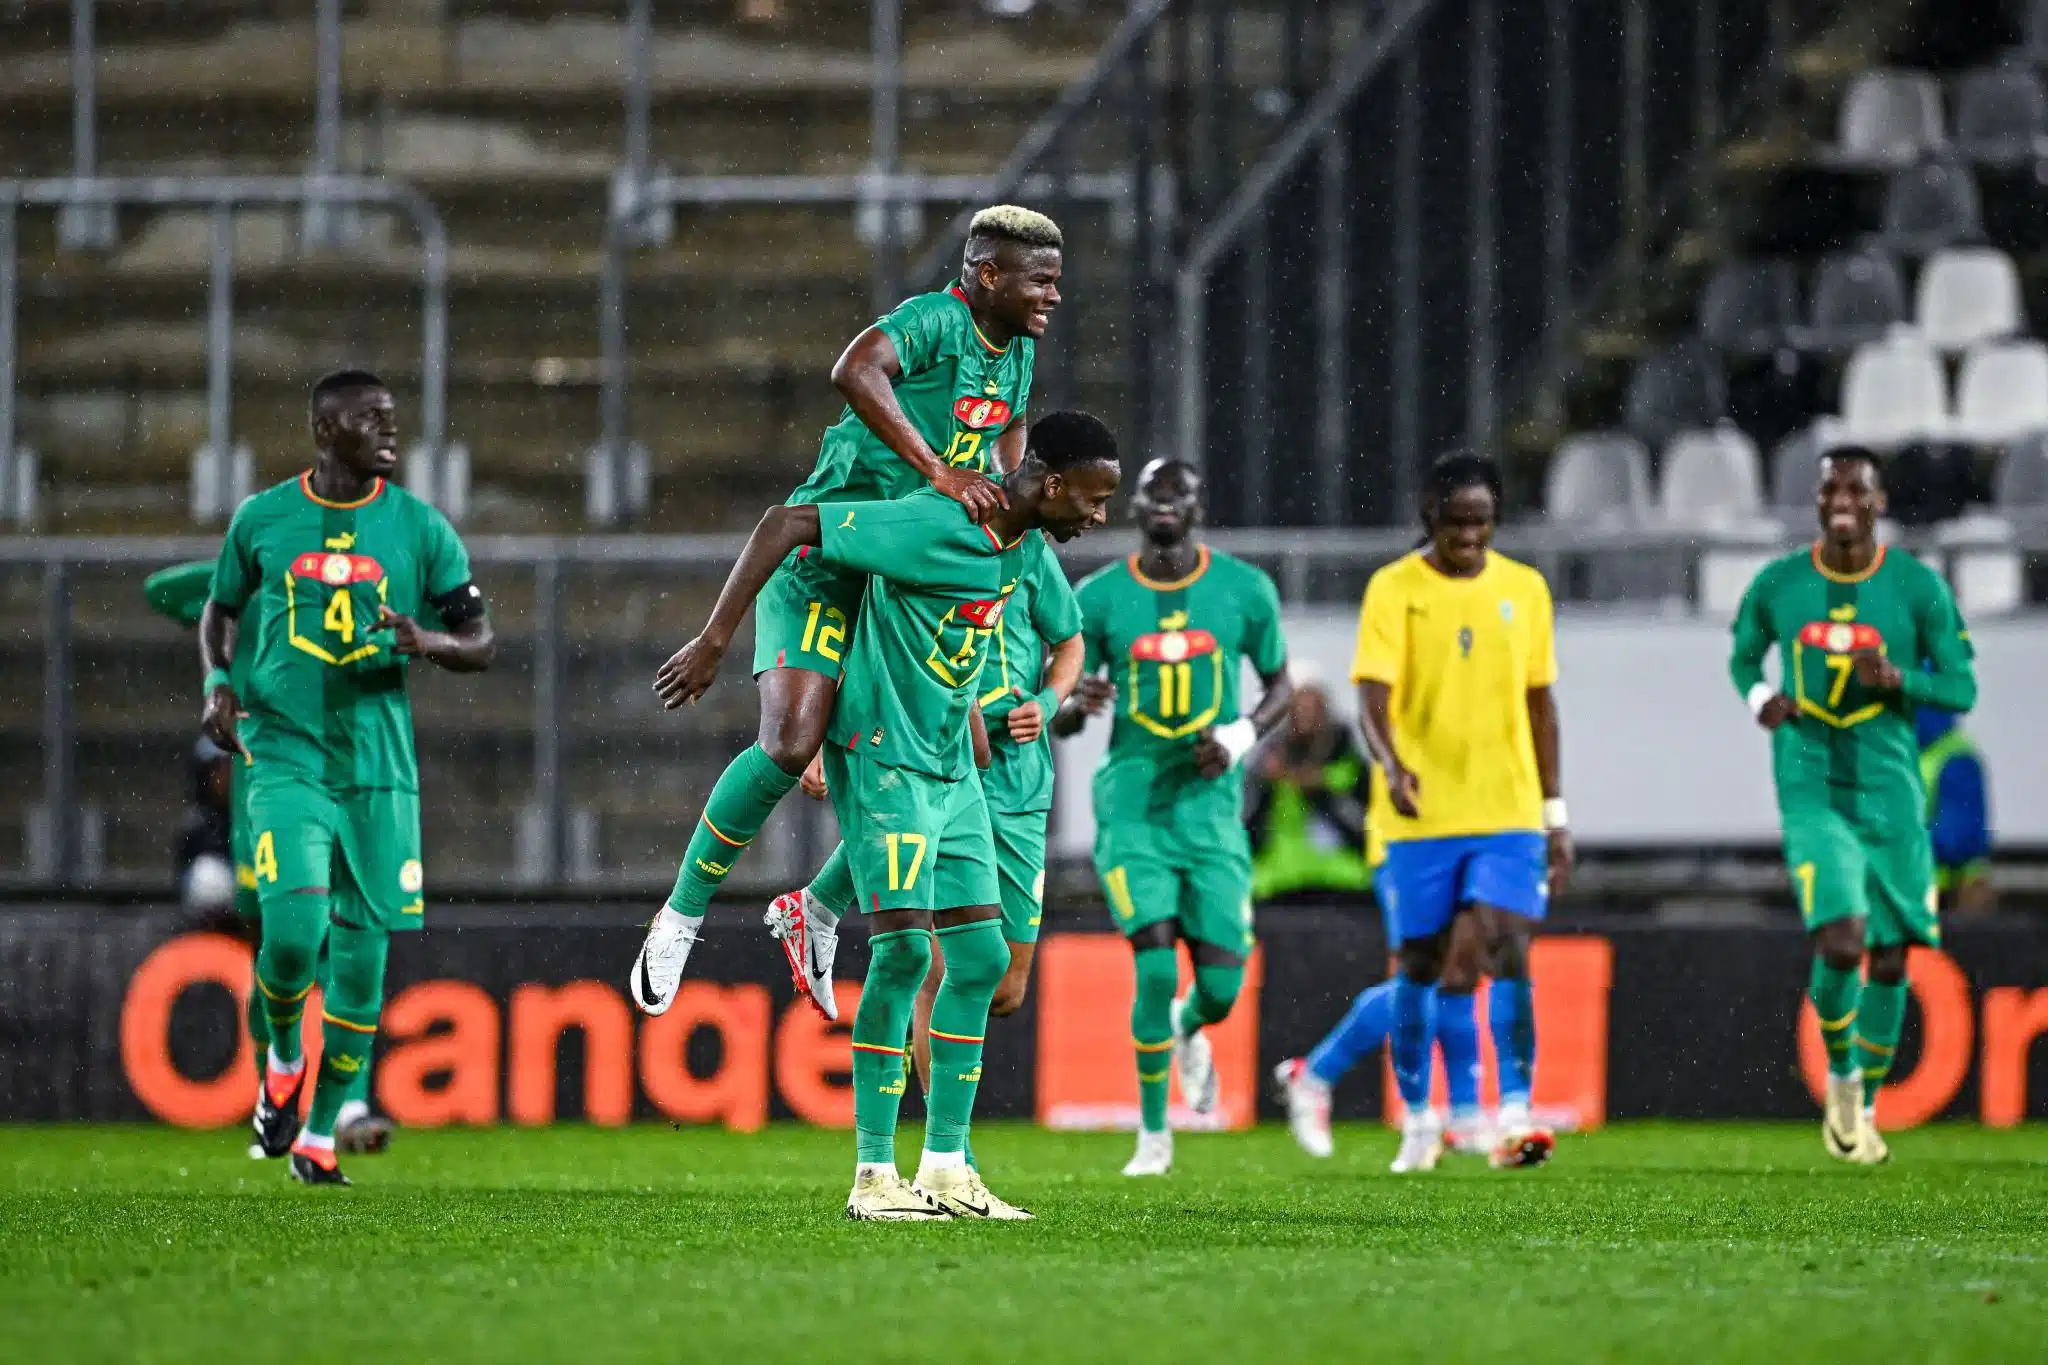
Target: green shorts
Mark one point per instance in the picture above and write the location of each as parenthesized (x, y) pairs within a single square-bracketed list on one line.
[(1843, 871), (1020, 870), (361, 847), (241, 843), (912, 842), (805, 614), (1204, 885)]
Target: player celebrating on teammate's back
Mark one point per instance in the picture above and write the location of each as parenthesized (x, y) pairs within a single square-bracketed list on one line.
[(932, 390), (1170, 625), (180, 592), (336, 564), (910, 805), (1456, 658), (1854, 621)]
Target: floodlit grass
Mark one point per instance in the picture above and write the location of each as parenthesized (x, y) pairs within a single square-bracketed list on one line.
[(1643, 1242)]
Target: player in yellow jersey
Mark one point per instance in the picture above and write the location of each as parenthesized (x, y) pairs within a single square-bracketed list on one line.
[(1455, 661)]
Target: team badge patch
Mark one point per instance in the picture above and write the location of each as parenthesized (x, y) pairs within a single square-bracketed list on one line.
[(411, 877), (979, 414)]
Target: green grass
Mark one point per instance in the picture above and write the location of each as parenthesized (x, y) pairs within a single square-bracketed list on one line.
[(1662, 1242)]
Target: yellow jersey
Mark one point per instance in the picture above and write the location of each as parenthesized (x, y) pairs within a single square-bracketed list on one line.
[(1461, 655)]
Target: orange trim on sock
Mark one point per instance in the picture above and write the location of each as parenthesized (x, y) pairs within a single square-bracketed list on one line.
[(1875, 1047), (885, 1051), (723, 837), (1143, 1046), (348, 1024), (1155, 1075), (956, 1037), (283, 999)]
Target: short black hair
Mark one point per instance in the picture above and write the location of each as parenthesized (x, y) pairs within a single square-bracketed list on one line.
[(1062, 440), (338, 383), (1854, 454), (1456, 470)]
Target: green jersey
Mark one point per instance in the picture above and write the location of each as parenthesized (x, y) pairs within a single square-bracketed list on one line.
[(959, 391), (180, 592), (1042, 611), (1849, 748), (935, 599), (326, 696), (1174, 650)]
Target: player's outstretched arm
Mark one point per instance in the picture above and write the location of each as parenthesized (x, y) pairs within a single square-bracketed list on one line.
[(218, 634), (468, 646), (1028, 719), (1091, 696), (1752, 641), (1545, 732), (865, 375), (1220, 748), (1374, 700), (690, 670)]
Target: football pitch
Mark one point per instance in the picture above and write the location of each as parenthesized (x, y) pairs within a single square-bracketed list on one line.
[(1642, 1242)]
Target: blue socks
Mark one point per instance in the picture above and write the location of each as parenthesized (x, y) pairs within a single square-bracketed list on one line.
[(1457, 1033), (1510, 1016), (1362, 1029), (1411, 1041)]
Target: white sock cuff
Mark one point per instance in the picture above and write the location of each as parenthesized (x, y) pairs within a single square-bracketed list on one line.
[(283, 1067), (863, 1169), (941, 1161), (676, 919), (318, 1142)]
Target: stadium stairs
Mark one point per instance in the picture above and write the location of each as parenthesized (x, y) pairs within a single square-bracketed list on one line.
[(509, 115)]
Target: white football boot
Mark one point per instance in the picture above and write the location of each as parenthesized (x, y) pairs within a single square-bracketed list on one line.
[(959, 1191), (1154, 1155), (1196, 1062), (658, 970), (1308, 1106), (886, 1197), (1841, 1124), (1422, 1143), (1870, 1145), (808, 945)]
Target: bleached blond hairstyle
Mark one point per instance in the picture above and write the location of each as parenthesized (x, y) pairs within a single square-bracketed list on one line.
[(1013, 223)]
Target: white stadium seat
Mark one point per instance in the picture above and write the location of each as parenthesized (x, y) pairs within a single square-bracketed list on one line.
[(2002, 394), (1888, 118), (1893, 391), (1968, 295), (1598, 477), (1711, 479)]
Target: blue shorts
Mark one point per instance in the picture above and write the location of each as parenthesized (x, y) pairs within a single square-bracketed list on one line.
[(1424, 882)]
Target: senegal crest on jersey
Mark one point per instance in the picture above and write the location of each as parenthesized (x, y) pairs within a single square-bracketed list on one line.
[(1824, 671), (959, 647), (979, 414), (338, 637), (1168, 669)]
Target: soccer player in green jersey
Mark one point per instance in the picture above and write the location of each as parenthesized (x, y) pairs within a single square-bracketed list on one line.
[(321, 579), (935, 393), (1865, 634), (180, 593), (904, 786), (1168, 626)]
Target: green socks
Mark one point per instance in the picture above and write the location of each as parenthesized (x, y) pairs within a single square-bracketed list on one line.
[(1152, 1031), (897, 964), (258, 1017), (294, 927), (1209, 1002), (1879, 1018), (833, 886), (348, 1019), (976, 959), (746, 794), (1834, 996)]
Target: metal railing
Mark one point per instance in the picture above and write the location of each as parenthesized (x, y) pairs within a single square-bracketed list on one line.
[(222, 195), (557, 769)]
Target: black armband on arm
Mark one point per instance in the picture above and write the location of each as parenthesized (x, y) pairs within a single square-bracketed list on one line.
[(459, 606)]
